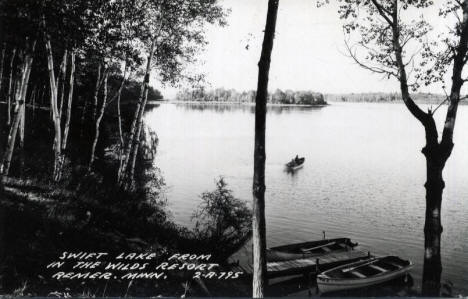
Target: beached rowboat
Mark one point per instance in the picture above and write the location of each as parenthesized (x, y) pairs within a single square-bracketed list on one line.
[(363, 273)]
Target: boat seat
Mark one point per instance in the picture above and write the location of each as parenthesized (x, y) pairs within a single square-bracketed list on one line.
[(358, 274), (307, 250), (326, 249), (396, 265), (378, 268)]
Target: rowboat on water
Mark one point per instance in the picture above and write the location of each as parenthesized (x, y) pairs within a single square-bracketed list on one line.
[(295, 163), (368, 272), (308, 249)]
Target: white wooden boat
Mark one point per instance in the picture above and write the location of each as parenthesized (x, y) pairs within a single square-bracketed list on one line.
[(363, 273)]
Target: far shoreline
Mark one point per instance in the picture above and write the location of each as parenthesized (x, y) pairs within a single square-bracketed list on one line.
[(245, 103)]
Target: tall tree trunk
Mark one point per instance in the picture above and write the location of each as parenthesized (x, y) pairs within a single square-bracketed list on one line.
[(96, 92), (259, 227), (61, 81), (20, 100), (58, 159), (98, 123), (119, 116), (137, 119), (33, 101), (134, 154), (22, 124), (5, 167), (2, 60), (119, 119), (136, 146), (70, 100), (432, 269), (10, 86), (436, 152)]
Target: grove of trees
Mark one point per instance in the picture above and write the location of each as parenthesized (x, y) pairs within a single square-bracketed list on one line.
[(78, 57), (221, 95)]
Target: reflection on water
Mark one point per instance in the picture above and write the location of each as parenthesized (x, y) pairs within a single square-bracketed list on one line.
[(228, 107), (363, 177)]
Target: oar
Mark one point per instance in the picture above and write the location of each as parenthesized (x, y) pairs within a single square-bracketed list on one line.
[(355, 267), (317, 247)]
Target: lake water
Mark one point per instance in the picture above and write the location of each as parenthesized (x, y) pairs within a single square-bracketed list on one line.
[(363, 176)]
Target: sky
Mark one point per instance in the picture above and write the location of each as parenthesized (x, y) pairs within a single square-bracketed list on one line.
[(308, 53)]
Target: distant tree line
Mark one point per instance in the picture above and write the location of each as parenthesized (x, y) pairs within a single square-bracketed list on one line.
[(383, 97), (233, 96)]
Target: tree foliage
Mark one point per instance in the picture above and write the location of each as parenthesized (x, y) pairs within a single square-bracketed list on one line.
[(109, 39), (231, 95), (222, 220)]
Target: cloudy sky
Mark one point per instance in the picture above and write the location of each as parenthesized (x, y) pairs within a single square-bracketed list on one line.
[(308, 52)]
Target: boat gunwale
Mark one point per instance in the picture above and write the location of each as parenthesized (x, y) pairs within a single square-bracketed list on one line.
[(323, 275), (298, 245)]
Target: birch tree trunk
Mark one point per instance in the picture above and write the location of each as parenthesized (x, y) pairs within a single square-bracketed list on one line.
[(10, 86), (259, 227), (33, 101), (5, 167), (123, 172), (58, 159), (61, 81), (119, 117), (96, 92), (137, 141), (70, 100), (22, 124), (98, 123), (20, 100), (134, 154)]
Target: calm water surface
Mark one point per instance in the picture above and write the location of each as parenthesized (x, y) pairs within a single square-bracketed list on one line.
[(363, 177)]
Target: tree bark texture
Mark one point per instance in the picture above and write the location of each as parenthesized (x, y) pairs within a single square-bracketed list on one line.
[(259, 226), (98, 123), (96, 92), (61, 82), (21, 96), (58, 159), (123, 175), (435, 152), (70, 101)]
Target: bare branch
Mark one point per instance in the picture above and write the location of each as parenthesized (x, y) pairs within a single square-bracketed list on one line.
[(447, 98), (457, 80), (426, 119), (374, 69)]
